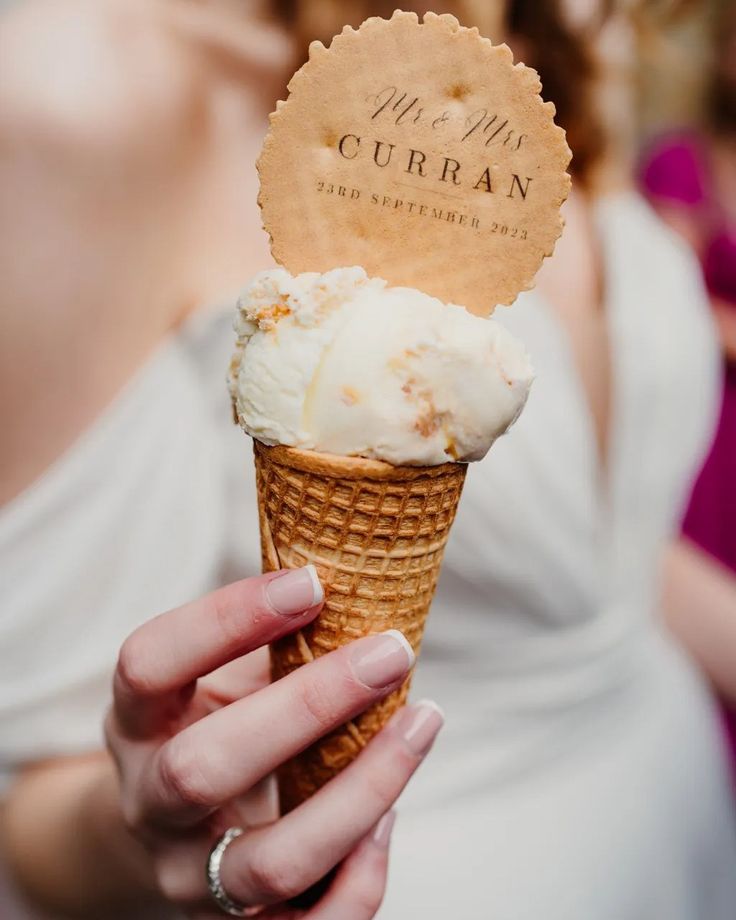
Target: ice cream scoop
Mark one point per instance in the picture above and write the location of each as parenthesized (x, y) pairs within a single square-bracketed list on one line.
[(344, 364)]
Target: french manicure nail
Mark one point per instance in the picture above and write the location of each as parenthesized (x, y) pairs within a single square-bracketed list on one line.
[(419, 725), (381, 660), (381, 836), (295, 591)]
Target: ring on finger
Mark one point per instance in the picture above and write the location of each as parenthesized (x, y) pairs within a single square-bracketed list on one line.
[(214, 882)]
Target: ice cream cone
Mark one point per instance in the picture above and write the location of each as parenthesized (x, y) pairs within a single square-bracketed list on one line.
[(376, 534)]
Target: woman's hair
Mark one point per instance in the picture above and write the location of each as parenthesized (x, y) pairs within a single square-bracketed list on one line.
[(563, 56), (560, 52), (721, 101)]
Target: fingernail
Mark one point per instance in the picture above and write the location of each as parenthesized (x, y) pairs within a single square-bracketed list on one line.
[(295, 591), (382, 831), (419, 725), (381, 660)]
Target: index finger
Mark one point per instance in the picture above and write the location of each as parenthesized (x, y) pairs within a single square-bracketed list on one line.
[(159, 662)]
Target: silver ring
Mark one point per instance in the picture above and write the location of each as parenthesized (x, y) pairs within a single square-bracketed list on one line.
[(214, 883)]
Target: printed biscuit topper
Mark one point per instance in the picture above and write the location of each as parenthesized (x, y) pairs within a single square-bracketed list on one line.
[(421, 152)]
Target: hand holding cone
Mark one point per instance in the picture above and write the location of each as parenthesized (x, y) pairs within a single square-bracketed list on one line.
[(376, 534)]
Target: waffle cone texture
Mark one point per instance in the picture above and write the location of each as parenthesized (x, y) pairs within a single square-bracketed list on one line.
[(376, 534)]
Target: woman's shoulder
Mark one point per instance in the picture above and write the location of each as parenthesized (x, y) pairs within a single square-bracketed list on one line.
[(644, 251), (76, 72)]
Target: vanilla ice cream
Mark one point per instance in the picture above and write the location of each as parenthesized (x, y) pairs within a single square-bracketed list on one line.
[(344, 364)]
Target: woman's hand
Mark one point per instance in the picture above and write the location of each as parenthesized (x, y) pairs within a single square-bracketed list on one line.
[(192, 740)]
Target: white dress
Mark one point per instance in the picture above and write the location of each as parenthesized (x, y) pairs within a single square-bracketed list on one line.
[(580, 775)]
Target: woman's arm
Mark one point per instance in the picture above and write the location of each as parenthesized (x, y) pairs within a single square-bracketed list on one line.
[(66, 842), (699, 603), (725, 315)]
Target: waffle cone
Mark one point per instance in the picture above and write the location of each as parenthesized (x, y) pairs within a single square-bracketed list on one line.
[(376, 534)]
